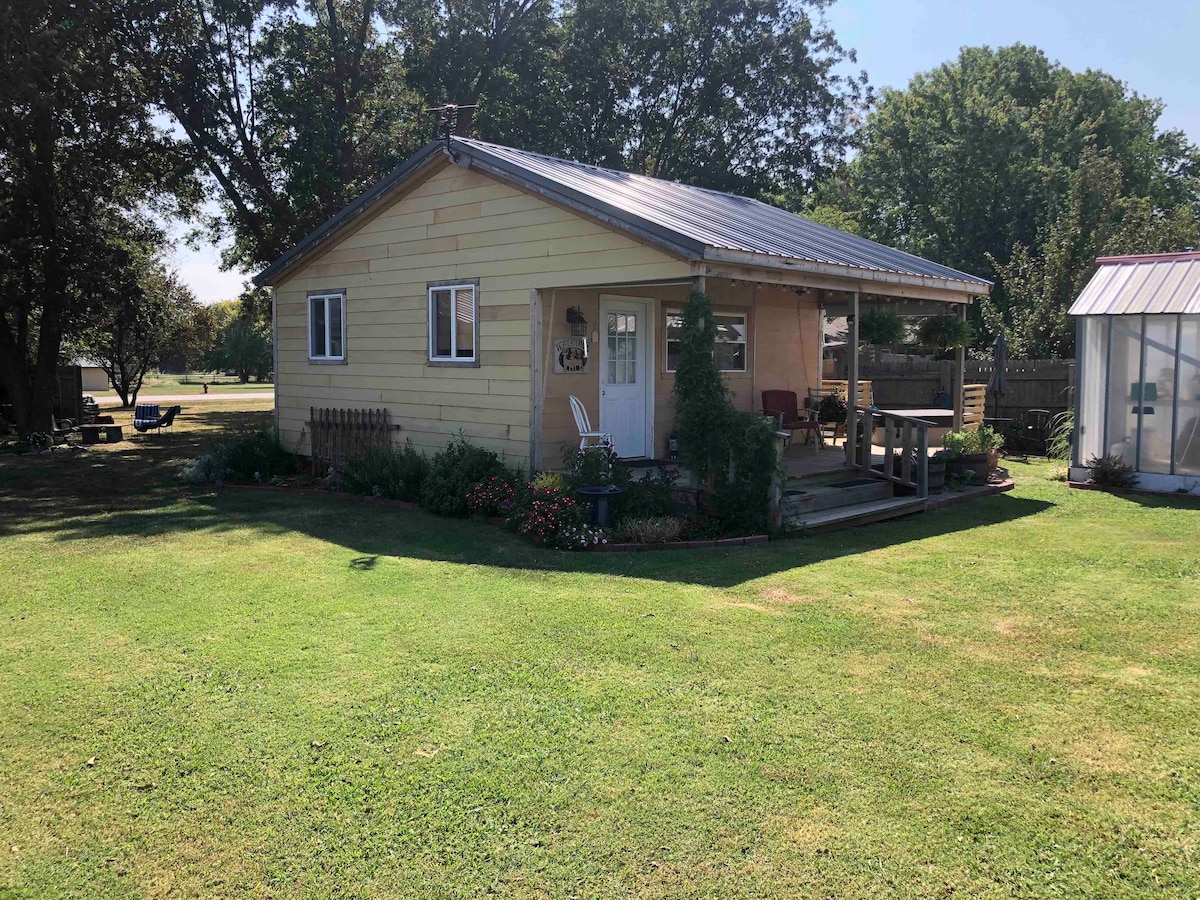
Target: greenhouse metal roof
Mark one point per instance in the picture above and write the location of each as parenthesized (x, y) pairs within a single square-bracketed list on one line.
[(1162, 283)]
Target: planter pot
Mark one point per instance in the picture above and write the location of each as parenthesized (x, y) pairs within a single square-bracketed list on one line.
[(993, 462), (937, 476), (977, 462)]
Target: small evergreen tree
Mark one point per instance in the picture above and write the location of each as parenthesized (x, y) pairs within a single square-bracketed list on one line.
[(702, 404)]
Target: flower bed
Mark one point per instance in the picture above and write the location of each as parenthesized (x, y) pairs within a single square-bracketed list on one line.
[(463, 480)]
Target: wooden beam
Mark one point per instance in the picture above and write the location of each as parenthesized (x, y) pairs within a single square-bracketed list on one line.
[(852, 386), (537, 390), (960, 362)]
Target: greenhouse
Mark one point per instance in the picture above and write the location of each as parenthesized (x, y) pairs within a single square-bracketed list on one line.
[(1138, 369)]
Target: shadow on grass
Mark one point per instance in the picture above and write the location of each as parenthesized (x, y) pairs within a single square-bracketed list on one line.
[(132, 491)]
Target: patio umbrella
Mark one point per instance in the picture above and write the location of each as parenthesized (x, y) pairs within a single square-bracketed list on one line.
[(998, 382)]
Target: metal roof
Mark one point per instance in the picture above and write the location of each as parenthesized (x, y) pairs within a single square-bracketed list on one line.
[(695, 223), (1131, 285), (701, 220)]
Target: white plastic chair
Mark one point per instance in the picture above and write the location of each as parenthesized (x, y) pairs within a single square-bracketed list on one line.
[(584, 424)]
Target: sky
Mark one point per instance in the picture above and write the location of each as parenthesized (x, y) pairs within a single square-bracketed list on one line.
[(1152, 46)]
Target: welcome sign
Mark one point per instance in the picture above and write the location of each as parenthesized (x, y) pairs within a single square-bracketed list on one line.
[(571, 356)]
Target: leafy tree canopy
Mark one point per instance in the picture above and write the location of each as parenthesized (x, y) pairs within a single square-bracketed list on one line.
[(1006, 165), (294, 108)]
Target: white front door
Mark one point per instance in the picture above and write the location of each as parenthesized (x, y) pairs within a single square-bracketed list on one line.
[(626, 397)]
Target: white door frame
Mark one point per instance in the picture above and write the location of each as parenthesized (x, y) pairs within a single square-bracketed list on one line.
[(651, 370)]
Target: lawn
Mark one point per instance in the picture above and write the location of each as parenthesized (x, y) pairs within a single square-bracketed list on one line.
[(193, 383), (222, 693)]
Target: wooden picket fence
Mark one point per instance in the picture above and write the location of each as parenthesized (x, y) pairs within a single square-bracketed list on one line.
[(341, 434)]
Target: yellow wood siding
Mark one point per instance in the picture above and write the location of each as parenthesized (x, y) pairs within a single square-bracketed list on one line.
[(456, 224), (782, 352)]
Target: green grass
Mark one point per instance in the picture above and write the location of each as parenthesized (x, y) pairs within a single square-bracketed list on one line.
[(223, 693), (156, 385)]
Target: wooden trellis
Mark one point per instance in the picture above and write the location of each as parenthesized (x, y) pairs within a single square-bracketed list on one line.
[(342, 434)]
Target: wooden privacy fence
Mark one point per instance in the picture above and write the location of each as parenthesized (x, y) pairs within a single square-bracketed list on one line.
[(1032, 383), (341, 434)]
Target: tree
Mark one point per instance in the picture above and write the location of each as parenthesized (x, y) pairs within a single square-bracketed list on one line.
[(133, 333), (290, 109), (702, 404), (992, 164), (740, 95), (245, 348), (79, 154)]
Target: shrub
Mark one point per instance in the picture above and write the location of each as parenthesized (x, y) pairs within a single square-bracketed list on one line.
[(552, 517), (651, 530), (737, 449), (987, 439), (644, 497), (495, 496), (957, 443), (387, 472), (699, 528), (742, 496), (453, 472), (591, 466), (1112, 471), (549, 480), (256, 456), (205, 468)]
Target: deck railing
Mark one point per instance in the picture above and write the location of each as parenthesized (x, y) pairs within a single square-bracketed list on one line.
[(903, 435)]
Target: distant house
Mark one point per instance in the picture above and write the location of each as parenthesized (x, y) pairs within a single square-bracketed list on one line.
[(1138, 368), (477, 287)]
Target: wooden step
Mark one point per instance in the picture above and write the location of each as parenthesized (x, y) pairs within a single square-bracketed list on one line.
[(805, 497), (858, 514)]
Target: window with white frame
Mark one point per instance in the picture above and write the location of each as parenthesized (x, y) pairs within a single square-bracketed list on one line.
[(327, 326), (453, 318), (729, 350)]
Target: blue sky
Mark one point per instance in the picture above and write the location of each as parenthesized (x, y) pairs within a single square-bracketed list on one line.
[(1152, 46)]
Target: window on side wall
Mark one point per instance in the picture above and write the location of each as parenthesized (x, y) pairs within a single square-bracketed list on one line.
[(327, 327), (453, 323), (729, 348)]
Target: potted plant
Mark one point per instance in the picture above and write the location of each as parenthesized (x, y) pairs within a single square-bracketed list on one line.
[(989, 443), (956, 446), (937, 471)]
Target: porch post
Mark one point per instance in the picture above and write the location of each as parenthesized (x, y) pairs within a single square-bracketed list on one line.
[(852, 385), (960, 364), (537, 383)]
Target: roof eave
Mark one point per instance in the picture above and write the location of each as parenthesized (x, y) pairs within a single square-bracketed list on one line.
[(835, 270), (337, 223)]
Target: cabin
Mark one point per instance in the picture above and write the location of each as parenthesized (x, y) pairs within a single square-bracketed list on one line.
[(477, 288), (1138, 369)]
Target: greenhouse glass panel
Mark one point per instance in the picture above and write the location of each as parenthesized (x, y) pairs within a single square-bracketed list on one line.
[(1158, 407), (1187, 438), (1091, 387), (1125, 393)]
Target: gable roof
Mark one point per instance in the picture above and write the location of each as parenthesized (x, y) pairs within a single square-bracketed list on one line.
[(695, 223), (1162, 283)]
